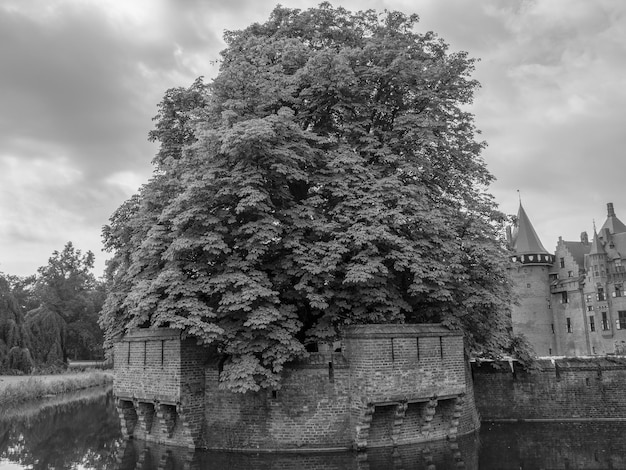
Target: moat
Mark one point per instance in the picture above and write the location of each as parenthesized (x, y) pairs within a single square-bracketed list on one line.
[(82, 431)]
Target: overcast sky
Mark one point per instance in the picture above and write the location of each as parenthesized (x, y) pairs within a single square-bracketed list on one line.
[(80, 81)]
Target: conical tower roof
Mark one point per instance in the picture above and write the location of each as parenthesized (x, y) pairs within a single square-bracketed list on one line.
[(612, 222), (596, 246), (526, 239), (526, 244)]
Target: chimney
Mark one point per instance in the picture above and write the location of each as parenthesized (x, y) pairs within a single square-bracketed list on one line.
[(584, 238), (610, 210)]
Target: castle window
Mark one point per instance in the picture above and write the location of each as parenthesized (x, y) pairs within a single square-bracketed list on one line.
[(562, 262), (570, 273), (621, 321), (528, 286), (590, 308), (592, 323), (588, 298), (605, 321), (618, 290), (569, 324), (552, 328), (564, 297), (600, 295)]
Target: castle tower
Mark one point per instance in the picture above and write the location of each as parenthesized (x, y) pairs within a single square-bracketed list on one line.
[(531, 315), (598, 313), (604, 287)]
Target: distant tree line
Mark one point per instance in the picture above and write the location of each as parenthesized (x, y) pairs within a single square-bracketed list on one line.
[(51, 317)]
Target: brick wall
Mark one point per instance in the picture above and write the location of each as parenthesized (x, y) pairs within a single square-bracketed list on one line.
[(390, 385), (159, 386), (390, 362), (418, 369), (590, 388), (310, 409), (139, 356)]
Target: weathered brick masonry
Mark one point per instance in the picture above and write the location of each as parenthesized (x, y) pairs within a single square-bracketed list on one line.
[(563, 389), (409, 383), (159, 385), (389, 385)]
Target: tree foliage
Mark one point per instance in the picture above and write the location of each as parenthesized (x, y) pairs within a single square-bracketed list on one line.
[(65, 322), (329, 175), (14, 342)]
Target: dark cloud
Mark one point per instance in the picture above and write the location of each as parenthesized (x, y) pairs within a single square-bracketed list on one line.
[(79, 82), (78, 91)]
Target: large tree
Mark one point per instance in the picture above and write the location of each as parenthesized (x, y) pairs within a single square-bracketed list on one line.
[(14, 342), (65, 323), (329, 175)]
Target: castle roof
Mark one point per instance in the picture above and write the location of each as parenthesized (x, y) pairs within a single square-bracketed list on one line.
[(525, 239), (596, 246), (612, 222), (578, 250), (619, 240)]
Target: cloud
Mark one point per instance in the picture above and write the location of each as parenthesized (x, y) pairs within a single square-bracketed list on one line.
[(81, 80), (550, 106)]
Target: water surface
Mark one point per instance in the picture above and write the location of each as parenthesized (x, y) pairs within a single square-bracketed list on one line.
[(81, 431)]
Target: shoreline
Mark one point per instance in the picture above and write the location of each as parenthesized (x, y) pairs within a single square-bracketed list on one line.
[(21, 389)]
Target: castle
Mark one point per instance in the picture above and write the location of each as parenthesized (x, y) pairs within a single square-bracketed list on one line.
[(572, 302)]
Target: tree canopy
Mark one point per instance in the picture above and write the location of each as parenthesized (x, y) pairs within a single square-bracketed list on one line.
[(14, 342), (329, 175), (50, 317), (64, 325)]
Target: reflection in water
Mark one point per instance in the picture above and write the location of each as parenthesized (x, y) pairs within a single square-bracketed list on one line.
[(77, 429), (461, 453), (553, 445), (436, 455), (82, 431)]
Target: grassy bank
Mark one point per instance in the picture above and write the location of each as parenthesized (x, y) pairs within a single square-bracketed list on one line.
[(36, 387)]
